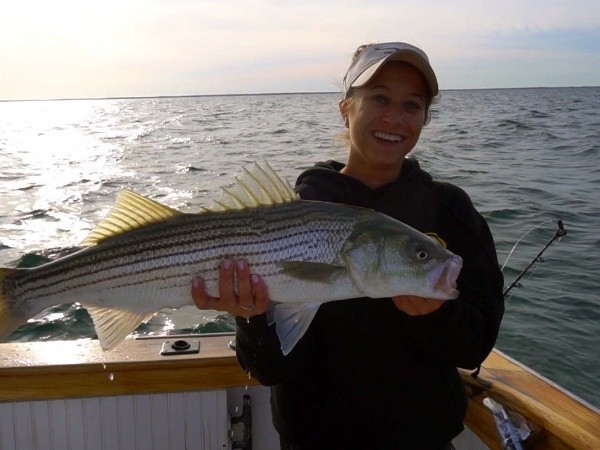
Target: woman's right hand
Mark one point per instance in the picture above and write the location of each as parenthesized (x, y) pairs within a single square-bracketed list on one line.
[(251, 298)]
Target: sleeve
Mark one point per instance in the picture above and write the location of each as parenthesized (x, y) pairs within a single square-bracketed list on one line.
[(463, 331), (259, 352), (256, 345)]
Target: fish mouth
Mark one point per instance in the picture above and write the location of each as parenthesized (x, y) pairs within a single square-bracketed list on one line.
[(443, 277)]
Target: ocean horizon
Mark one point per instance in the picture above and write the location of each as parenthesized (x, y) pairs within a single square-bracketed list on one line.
[(127, 97)]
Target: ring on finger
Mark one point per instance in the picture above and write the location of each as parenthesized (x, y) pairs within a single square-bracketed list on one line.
[(248, 307)]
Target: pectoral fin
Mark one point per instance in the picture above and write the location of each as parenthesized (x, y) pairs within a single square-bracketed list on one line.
[(114, 325), (291, 322), (312, 271)]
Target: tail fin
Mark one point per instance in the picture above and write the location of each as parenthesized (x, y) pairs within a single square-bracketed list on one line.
[(10, 319)]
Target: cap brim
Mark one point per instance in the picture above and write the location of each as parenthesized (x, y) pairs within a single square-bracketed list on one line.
[(406, 56)]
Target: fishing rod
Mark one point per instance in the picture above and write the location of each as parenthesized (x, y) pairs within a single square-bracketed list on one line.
[(560, 232)]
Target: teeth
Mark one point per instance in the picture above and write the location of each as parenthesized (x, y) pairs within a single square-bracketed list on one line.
[(388, 137)]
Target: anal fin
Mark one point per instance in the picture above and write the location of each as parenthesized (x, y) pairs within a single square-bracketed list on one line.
[(114, 325)]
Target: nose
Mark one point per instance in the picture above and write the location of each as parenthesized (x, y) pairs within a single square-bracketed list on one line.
[(393, 116)]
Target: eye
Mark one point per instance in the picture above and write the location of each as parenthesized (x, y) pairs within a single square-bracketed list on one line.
[(419, 250), (413, 106), (421, 254), (380, 99)]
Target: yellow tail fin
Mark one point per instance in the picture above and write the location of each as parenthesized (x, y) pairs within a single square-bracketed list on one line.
[(10, 320)]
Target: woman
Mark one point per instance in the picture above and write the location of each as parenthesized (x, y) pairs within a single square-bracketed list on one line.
[(377, 374)]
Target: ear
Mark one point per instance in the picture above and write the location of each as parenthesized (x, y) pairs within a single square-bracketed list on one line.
[(344, 112)]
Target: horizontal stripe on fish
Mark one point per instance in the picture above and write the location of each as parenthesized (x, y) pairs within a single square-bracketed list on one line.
[(154, 239), (163, 252)]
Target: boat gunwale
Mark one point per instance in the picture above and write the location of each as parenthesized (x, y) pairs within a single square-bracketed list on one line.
[(136, 367)]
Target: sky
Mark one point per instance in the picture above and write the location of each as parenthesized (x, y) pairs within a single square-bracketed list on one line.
[(130, 48)]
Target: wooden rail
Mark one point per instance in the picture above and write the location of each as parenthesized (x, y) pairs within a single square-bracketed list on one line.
[(75, 369), (562, 420)]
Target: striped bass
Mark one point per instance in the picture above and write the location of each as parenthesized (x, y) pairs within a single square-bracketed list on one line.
[(143, 255)]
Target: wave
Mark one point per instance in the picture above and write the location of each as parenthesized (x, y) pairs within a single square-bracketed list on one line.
[(192, 169), (29, 187), (538, 114), (593, 150), (513, 124), (34, 214)]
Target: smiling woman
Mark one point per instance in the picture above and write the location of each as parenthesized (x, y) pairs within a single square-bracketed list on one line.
[(385, 120)]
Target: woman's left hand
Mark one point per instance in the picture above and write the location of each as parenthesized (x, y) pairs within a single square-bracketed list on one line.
[(416, 306)]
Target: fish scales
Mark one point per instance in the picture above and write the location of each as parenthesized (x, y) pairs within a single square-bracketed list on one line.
[(263, 236), (189, 233)]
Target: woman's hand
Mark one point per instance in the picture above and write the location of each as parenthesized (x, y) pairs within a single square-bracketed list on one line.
[(252, 298), (416, 306)]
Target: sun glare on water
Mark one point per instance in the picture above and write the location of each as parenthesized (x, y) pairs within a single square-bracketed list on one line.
[(54, 154)]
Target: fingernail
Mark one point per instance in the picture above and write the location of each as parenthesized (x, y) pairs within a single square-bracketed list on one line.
[(254, 279), (241, 265), (227, 264)]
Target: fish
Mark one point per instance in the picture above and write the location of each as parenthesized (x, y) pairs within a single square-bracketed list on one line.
[(143, 255)]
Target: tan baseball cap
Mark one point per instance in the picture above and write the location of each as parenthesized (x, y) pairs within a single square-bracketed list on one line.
[(374, 56)]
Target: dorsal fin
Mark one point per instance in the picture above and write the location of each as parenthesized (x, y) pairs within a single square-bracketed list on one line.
[(131, 211), (258, 185)]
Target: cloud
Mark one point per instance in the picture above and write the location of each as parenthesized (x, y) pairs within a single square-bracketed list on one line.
[(68, 48)]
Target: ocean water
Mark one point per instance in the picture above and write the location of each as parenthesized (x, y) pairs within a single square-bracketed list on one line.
[(527, 157)]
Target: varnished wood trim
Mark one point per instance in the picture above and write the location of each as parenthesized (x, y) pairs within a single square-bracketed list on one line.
[(73, 369), (564, 422)]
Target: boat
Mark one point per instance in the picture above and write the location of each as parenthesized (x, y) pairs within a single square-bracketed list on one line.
[(188, 392)]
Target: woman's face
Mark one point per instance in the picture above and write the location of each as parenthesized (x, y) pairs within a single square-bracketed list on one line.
[(386, 116)]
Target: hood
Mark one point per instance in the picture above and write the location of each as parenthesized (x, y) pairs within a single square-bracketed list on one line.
[(325, 182)]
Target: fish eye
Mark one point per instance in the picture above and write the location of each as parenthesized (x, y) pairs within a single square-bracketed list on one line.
[(420, 251), (422, 254)]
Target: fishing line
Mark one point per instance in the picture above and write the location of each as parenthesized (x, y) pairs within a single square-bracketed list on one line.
[(508, 296), (521, 238), (560, 232)]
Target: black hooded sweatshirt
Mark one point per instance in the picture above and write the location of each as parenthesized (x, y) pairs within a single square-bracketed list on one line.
[(366, 375)]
